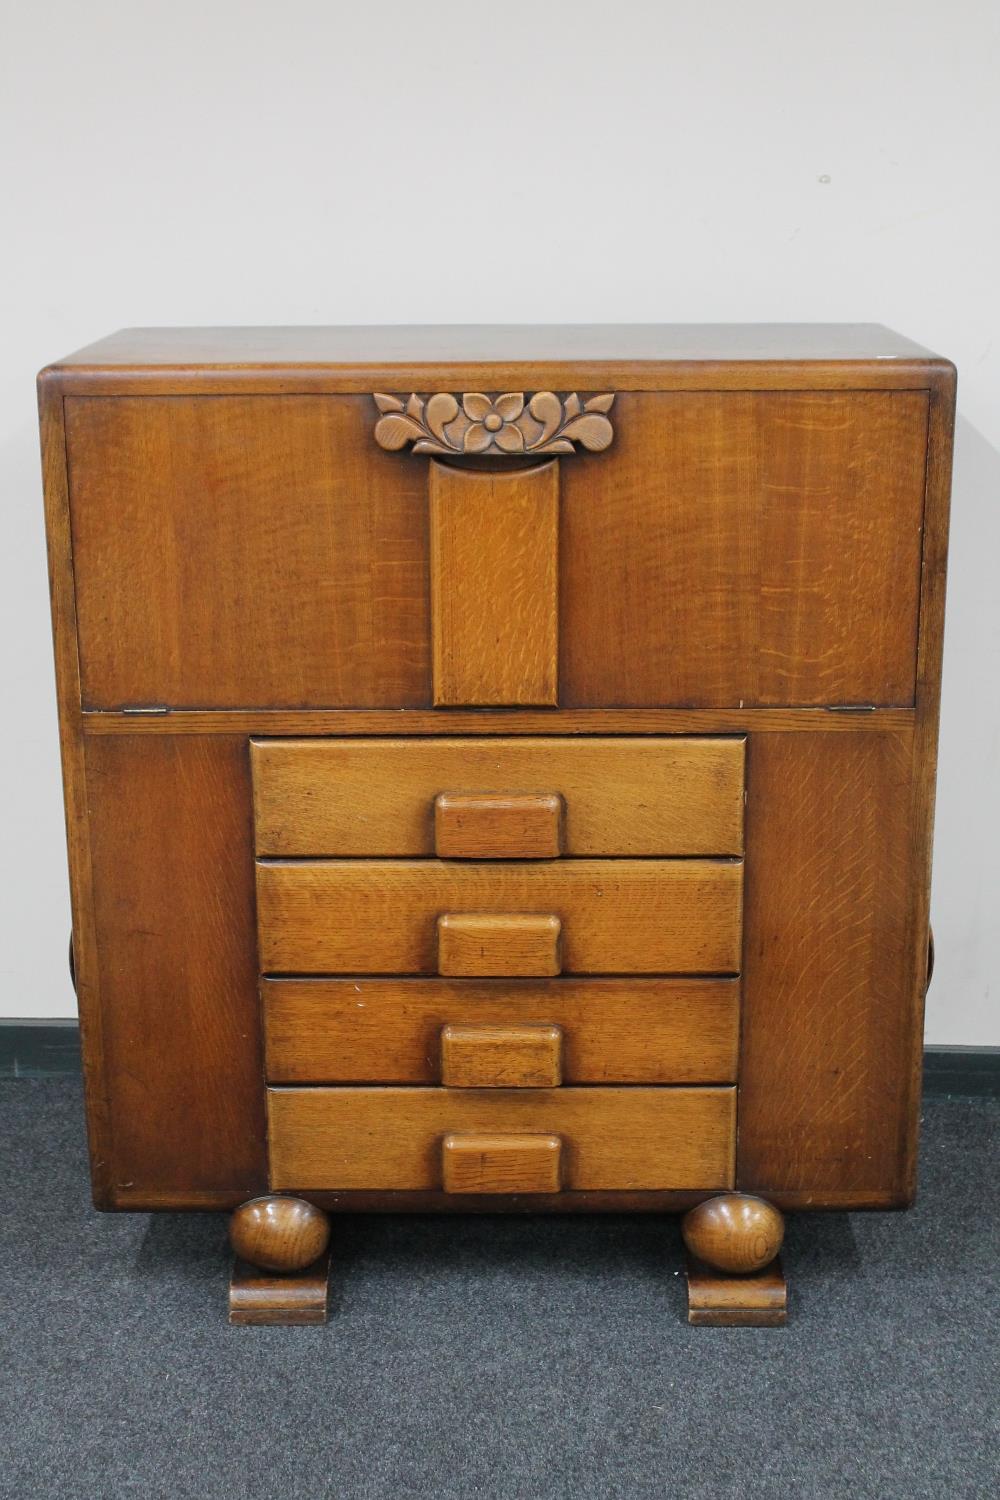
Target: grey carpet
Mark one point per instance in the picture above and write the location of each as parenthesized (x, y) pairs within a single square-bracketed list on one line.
[(469, 1357)]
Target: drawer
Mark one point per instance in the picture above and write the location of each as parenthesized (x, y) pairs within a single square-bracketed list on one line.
[(606, 1138), (391, 1030), (497, 798), (615, 916)]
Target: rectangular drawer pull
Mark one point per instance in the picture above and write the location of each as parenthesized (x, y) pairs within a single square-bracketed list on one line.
[(501, 1057), (501, 1163), (499, 943), (498, 825)]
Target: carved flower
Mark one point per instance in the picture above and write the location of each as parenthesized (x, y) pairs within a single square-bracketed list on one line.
[(492, 422)]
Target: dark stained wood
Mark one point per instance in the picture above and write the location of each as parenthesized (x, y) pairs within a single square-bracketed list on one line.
[(390, 1137), (746, 549), (832, 980), (613, 1030), (171, 847), (246, 551), (264, 1299), (71, 744), (734, 1233), (718, 1300), (278, 1233), (635, 796), (629, 916), (494, 555)]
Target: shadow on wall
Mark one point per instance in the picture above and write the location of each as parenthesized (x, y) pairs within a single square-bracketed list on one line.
[(960, 1007)]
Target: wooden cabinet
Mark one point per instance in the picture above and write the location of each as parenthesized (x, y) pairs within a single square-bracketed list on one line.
[(499, 772)]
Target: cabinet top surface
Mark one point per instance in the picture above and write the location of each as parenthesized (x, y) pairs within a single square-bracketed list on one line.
[(379, 347)]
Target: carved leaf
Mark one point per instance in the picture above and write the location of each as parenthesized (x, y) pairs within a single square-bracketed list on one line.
[(426, 446), (571, 406), (592, 430), (387, 403), (599, 403), (476, 405), (546, 408), (509, 406), (558, 445), (415, 407), (440, 410), (394, 431)]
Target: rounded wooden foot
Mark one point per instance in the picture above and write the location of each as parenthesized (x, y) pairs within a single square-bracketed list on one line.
[(734, 1233), (279, 1234)]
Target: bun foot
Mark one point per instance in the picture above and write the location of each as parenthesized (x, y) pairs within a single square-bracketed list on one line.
[(734, 1276), (283, 1261)]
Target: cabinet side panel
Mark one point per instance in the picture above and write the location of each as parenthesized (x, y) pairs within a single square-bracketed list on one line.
[(833, 982), (174, 906)]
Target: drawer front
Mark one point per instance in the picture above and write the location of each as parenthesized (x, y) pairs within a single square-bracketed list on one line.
[(616, 916), (391, 1030), (384, 797), (394, 1139)]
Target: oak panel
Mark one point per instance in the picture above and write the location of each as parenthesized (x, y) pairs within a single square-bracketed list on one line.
[(246, 551), (622, 795), (833, 976), (494, 540), (618, 916), (391, 1138), (746, 549), (613, 1030), (174, 915)]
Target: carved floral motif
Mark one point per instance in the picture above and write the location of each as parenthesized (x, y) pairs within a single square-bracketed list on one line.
[(494, 426)]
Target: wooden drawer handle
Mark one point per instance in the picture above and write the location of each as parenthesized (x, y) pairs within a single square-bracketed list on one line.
[(498, 825), (499, 943), (501, 1057), (501, 1163)]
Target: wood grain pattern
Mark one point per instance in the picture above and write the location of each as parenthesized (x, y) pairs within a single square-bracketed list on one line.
[(497, 825), (494, 426), (622, 796), (173, 906), (246, 551), (390, 1138), (613, 1031), (494, 548), (618, 916), (717, 1300), (71, 745), (746, 549), (833, 981), (263, 1299), (421, 723), (501, 1057), (501, 1163), (508, 943)]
